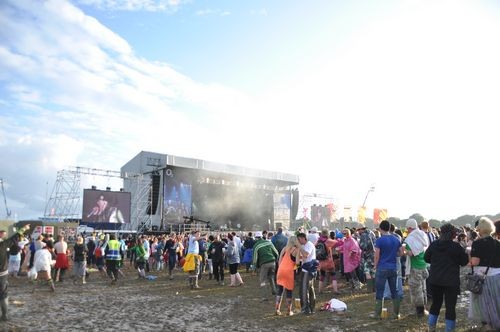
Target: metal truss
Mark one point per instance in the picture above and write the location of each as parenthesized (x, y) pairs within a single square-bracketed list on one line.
[(140, 189), (66, 198)]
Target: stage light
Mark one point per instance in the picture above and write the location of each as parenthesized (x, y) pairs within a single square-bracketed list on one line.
[(94, 187), (108, 188), (121, 189)]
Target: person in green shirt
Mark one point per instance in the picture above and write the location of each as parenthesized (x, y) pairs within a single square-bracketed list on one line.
[(415, 245), (140, 258)]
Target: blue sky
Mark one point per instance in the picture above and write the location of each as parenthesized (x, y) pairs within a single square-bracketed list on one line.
[(400, 94)]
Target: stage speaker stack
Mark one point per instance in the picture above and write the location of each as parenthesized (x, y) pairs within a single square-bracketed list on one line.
[(295, 204), (154, 194)]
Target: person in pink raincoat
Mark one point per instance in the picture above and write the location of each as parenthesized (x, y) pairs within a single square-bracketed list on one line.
[(352, 256)]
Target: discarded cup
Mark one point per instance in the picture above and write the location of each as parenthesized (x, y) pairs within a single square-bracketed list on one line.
[(297, 303), (384, 314)]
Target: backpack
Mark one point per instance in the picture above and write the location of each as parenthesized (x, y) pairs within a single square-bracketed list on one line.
[(98, 252), (321, 251), (159, 250)]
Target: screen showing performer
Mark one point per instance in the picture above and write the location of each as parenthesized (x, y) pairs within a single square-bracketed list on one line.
[(177, 197), (101, 206)]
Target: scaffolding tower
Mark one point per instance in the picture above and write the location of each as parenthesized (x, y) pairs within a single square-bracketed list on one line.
[(65, 202), (140, 188)]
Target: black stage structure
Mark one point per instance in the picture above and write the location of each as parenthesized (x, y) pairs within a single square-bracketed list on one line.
[(224, 197)]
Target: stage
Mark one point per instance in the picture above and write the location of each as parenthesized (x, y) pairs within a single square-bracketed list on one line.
[(167, 188)]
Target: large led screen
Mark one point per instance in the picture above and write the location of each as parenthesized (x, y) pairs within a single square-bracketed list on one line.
[(101, 206), (282, 207), (177, 193)]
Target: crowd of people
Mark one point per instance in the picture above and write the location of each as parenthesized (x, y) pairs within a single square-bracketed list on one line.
[(379, 261)]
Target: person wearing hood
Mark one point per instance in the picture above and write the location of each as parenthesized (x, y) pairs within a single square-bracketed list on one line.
[(445, 256), (415, 245), (264, 258), (327, 264)]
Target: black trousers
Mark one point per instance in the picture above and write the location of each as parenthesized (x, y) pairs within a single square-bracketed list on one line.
[(450, 295), (218, 270)]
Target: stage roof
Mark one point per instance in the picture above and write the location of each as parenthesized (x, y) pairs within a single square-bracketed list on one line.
[(146, 162)]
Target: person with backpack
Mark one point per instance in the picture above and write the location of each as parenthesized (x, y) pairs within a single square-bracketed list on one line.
[(171, 249), (324, 254), (91, 245), (352, 256), (233, 260), (160, 249), (367, 244), (99, 255), (307, 275)]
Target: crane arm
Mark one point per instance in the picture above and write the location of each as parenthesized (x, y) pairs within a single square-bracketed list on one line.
[(5, 199)]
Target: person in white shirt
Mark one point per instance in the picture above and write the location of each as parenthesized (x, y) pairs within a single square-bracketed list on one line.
[(313, 235), (237, 241), (43, 264), (309, 267)]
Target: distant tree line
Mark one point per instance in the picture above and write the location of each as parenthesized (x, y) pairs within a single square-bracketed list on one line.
[(401, 223)]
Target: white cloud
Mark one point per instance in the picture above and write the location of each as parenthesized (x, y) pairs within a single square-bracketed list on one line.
[(135, 5), (83, 98), (259, 12), (212, 12), (405, 105)]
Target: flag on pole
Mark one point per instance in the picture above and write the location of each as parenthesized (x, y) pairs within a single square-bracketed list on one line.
[(331, 212), (379, 215), (362, 215), (347, 213)]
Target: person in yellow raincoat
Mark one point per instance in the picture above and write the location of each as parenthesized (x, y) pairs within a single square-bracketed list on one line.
[(193, 259)]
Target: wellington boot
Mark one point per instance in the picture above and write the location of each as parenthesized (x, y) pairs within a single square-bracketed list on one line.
[(239, 280), (396, 304), (450, 325), (4, 304), (335, 287), (51, 285), (321, 287), (233, 280), (289, 310), (195, 283), (432, 321), (370, 285), (378, 309)]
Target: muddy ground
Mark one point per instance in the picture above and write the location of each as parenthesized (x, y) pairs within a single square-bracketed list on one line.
[(169, 305)]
